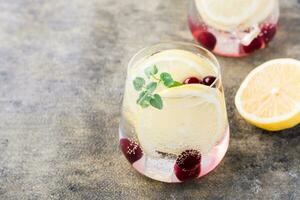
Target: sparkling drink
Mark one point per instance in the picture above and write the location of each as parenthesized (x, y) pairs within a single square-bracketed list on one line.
[(233, 27), (174, 124)]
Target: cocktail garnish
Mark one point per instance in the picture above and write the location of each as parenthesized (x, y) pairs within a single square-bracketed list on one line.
[(147, 96)]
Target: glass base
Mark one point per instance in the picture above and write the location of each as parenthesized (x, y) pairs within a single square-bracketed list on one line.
[(162, 169)]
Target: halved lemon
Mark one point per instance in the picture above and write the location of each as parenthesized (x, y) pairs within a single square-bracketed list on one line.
[(231, 14), (193, 117), (269, 97)]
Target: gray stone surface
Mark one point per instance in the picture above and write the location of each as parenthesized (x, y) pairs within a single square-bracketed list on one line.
[(62, 73)]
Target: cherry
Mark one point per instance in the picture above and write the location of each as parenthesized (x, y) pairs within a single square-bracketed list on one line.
[(131, 149), (256, 44), (209, 80), (207, 39), (268, 32), (187, 165), (192, 80)]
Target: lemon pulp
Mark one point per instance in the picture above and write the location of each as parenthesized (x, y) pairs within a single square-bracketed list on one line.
[(269, 97)]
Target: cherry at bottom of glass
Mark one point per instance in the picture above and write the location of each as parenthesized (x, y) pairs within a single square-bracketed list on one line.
[(166, 169), (226, 43)]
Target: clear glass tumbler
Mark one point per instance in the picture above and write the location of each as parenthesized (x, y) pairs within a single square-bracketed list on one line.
[(174, 124), (233, 28)]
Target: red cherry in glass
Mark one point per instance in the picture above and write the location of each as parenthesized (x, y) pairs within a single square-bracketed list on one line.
[(256, 44), (209, 80), (268, 32), (192, 80), (131, 150), (188, 165), (207, 39)]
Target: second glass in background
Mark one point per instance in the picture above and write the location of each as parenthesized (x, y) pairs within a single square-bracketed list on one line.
[(233, 28)]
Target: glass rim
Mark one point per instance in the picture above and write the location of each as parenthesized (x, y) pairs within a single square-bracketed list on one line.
[(211, 57)]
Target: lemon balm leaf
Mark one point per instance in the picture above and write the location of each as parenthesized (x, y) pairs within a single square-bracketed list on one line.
[(141, 98), (138, 83), (151, 87), (156, 102), (150, 71), (167, 79), (146, 97)]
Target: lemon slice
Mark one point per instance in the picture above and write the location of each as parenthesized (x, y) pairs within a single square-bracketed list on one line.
[(179, 63), (269, 97), (192, 118), (230, 14)]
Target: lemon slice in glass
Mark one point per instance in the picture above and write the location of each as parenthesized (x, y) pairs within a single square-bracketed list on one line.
[(269, 97), (179, 63), (192, 118), (231, 14)]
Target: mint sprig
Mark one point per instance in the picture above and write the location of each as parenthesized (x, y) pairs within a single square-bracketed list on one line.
[(147, 96)]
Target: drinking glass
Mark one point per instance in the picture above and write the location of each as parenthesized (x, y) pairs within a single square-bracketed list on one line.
[(233, 28), (174, 125)]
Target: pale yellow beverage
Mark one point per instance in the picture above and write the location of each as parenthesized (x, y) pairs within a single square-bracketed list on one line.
[(174, 124)]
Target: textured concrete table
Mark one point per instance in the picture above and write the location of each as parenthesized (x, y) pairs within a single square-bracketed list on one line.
[(62, 73)]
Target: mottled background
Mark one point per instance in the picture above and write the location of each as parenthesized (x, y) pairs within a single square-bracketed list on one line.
[(62, 73)]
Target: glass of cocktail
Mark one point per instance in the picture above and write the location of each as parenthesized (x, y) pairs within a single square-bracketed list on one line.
[(174, 124), (233, 27)]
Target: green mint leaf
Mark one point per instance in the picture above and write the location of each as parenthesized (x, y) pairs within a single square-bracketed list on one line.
[(144, 99), (176, 83), (138, 83), (167, 79), (156, 102), (151, 87), (152, 70)]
